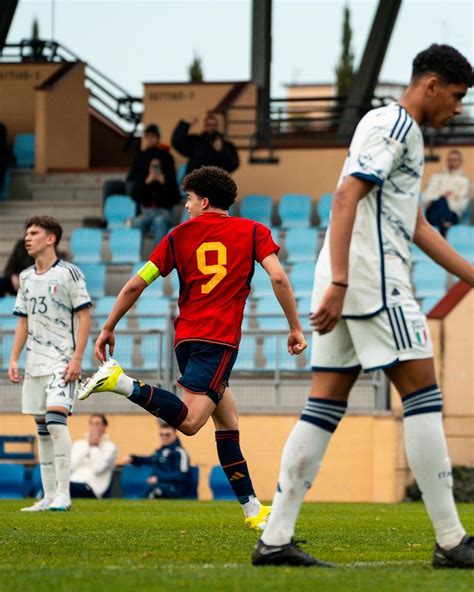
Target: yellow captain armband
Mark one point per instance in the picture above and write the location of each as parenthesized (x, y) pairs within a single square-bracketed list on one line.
[(149, 272)]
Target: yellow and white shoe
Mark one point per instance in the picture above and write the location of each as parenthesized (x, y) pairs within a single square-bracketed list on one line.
[(104, 380), (259, 521)]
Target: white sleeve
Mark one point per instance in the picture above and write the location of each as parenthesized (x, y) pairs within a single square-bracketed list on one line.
[(20, 309), (78, 291), (378, 145)]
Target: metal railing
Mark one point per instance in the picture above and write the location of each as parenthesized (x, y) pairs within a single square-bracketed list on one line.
[(108, 97)]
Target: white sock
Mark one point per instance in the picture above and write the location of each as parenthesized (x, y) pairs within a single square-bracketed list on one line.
[(252, 507), (62, 451), (46, 459), (124, 385), (428, 458), (300, 462)]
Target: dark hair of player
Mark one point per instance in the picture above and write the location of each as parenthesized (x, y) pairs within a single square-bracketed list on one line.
[(50, 224), (102, 417), (213, 183), (445, 61)]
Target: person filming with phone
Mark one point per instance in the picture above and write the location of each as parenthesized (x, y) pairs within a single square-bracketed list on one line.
[(152, 181)]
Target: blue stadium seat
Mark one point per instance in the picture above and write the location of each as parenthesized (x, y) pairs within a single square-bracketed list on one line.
[(295, 210), (261, 284), (304, 308), (133, 481), (275, 352), (89, 363), (118, 209), (429, 279), (301, 244), (219, 484), (155, 288), (257, 207), (192, 484), (125, 245), (153, 352), (152, 306), (102, 309), (427, 304), (302, 275), (12, 481), (417, 254), (466, 217), (86, 245), (7, 344), (7, 320), (24, 150), (247, 352), (95, 278), (324, 209), (5, 187), (173, 279), (123, 352), (277, 320), (461, 238)]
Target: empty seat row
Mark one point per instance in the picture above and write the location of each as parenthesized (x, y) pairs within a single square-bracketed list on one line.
[(124, 245)]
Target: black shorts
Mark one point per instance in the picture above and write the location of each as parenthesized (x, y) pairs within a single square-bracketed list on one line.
[(205, 367)]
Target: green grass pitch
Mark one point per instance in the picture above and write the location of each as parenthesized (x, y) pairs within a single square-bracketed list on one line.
[(203, 546)]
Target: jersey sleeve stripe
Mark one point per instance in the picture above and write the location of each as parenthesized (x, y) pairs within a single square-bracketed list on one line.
[(18, 313), (369, 178), (406, 125), (74, 276), (396, 123), (406, 133), (87, 304)]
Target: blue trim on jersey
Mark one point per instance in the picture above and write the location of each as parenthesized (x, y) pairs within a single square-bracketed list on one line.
[(331, 369), (406, 133), (405, 119), (363, 317), (370, 178), (396, 123), (382, 260), (85, 305), (397, 345), (407, 334), (17, 313), (400, 332)]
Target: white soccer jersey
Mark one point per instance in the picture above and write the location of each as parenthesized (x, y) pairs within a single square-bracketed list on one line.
[(49, 301), (387, 149)]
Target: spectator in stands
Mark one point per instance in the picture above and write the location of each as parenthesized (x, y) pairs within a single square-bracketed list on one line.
[(17, 262), (207, 148), (170, 465), (447, 194), (152, 179), (93, 460), (5, 156)]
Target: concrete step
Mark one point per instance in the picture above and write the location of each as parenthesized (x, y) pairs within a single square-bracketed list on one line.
[(61, 209), (85, 179), (66, 193)]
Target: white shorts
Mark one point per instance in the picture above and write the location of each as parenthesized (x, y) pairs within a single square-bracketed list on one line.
[(394, 335), (41, 392)]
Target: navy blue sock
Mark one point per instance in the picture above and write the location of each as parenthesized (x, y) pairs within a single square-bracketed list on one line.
[(234, 464), (159, 403)]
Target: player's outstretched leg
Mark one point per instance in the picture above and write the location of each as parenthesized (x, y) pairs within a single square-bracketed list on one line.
[(111, 378), (48, 472), (429, 461)]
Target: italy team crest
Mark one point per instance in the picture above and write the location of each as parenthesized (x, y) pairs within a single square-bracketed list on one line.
[(420, 331), (53, 288)]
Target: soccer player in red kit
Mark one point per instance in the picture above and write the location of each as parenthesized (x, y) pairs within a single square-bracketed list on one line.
[(214, 255)]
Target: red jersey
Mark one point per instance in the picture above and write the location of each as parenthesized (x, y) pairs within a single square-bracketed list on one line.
[(214, 255)]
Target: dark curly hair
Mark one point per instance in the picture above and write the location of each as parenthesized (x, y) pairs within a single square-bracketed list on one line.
[(50, 224), (213, 183), (445, 61)]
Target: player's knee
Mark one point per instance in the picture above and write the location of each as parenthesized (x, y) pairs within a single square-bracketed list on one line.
[(190, 426), (55, 422), (39, 419)]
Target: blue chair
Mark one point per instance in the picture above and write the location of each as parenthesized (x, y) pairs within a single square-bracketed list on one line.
[(302, 275), (324, 209), (118, 209), (102, 309), (95, 278), (257, 207), (466, 217), (24, 150), (277, 320), (301, 244), (174, 283), (153, 353), (89, 363), (86, 245), (155, 288), (191, 491), (219, 484), (295, 210), (133, 481), (7, 320), (123, 352), (428, 304), (417, 255), (261, 284), (12, 481), (429, 279), (304, 308), (152, 306), (247, 351), (5, 187), (461, 238), (125, 245), (275, 352), (7, 345)]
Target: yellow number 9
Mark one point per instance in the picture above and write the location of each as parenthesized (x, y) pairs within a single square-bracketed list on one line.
[(219, 270)]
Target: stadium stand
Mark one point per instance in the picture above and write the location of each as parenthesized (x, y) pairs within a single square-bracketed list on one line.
[(429, 280), (24, 150), (301, 244), (118, 209), (86, 245), (257, 207), (95, 278), (12, 481), (295, 210), (261, 285), (133, 481), (275, 352), (246, 360), (113, 187), (461, 238), (7, 344), (302, 279)]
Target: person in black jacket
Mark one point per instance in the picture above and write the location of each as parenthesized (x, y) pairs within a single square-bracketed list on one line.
[(207, 148), (170, 466), (152, 179), (17, 262)]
